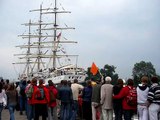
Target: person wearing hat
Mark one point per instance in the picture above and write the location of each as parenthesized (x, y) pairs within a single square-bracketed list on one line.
[(96, 108), (106, 99)]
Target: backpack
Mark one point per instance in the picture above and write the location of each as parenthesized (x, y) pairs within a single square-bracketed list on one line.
[(29, 91), (131, 98), (52, 96), (40, 95)]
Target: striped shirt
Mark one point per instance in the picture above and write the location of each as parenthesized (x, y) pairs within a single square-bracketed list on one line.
[(154, 94)]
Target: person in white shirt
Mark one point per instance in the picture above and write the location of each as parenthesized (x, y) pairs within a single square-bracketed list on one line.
[(3, 98), (76, 88), (106, 99), (142, 95)]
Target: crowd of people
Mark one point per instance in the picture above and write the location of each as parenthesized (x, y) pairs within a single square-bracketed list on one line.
[(72, 101)]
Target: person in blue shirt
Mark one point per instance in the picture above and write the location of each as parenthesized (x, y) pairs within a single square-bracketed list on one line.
[(86, 97), (66, 98)]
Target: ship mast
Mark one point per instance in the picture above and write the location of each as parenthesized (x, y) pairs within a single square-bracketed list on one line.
[(55, 34), (29, 50), (56, 28), (27, 69), (37, 59), (39, 39)]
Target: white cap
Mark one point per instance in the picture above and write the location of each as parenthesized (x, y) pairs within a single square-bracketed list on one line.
[(108, 78)]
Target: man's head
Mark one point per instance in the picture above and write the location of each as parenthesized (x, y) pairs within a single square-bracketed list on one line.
[(130, 82), (75, 81), (41, 81), (154, 79), (108, 79), (34, 81), (65, 82), (144, 80), (120, 82), (50, 83)]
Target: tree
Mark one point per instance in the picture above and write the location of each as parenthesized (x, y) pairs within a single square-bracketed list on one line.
[(91, 76), (109, 70), (142, 68)]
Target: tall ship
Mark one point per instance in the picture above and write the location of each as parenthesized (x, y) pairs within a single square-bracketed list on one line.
[(44, 54)]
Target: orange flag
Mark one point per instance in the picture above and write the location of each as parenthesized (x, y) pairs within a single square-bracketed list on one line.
[(94, 69)]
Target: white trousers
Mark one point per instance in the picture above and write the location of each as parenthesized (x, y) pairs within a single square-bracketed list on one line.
[(94, 110), (154, 109), (107, 114), (142, 112)]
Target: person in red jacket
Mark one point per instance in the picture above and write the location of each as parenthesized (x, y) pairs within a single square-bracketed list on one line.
[(127, 109), (30, 103), (52, 105), (40, 98)]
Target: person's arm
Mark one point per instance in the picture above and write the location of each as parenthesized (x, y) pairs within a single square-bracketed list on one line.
[(150, 95), (122, 93), (81, 87), (4, 98), (102, 95)]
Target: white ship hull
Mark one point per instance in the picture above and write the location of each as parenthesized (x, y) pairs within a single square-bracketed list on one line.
[(58, 79)]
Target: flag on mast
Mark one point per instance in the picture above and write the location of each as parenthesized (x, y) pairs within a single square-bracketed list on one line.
[(94, 69)]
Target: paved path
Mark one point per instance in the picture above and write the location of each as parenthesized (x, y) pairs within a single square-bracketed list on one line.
[(5, 115)]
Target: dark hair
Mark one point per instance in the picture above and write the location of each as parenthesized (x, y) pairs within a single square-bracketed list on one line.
[(89, 83), (65, 82), (28, 82), (69, 83), (1, 87), (62, 82), (154, 79), (50, 83), (2, 80), (11, 86), (75, 81), (130, 82), (24, 82), (34, 81), (7, 81), (120, 82), (41, 81)]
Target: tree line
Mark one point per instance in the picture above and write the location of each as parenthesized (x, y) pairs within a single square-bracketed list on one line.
[(139, 69)]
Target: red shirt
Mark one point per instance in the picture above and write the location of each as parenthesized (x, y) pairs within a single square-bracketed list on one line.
[(122, 94), (55, 92), (33, 100)]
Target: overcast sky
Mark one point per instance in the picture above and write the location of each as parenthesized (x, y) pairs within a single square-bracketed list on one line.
[(114, 32)]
